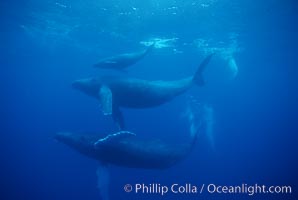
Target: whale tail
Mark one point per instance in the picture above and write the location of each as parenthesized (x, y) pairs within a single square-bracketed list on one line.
[(198, 77)]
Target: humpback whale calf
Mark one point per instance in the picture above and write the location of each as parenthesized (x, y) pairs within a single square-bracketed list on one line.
[(122, 61), (115, 92)]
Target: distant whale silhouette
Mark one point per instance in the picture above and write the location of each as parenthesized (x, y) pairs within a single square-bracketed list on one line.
[(122, 61), (115, 92)]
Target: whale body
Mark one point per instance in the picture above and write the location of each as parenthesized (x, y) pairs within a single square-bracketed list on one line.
[(125, 149), (115, 92), (122, 61)]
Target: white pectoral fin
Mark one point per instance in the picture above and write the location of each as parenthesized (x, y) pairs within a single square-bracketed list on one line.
[(103, 181), (106, 100)]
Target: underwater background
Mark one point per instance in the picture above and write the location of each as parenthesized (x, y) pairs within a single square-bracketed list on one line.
[(251, 87)]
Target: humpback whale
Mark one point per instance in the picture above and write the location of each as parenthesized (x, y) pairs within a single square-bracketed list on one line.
[(114, 92), (126, 149), (122, 61)]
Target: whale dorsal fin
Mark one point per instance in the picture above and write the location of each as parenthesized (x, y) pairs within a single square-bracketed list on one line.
[(105, 97), (113, 138)]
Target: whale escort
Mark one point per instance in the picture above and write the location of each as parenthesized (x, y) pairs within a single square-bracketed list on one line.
[(126, 150), (122, 61), (114, 92)]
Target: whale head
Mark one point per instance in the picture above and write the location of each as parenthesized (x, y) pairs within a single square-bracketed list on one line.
[(73, 140), (89, 86), (83, 143)]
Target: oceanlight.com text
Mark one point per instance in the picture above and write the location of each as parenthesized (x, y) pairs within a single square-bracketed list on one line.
[(188, 188), (249, 189)]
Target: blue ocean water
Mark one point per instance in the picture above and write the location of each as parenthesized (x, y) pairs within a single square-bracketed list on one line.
[(251, 86)]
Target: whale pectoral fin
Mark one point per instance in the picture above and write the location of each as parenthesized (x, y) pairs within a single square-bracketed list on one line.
[(115, 137), (118, 117), (106, 100), (103, 180)]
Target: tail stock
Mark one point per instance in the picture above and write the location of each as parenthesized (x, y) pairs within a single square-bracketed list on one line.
[(198, 77)]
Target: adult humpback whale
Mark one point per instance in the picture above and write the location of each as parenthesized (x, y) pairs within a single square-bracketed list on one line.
[(115, 92), (125, 149), (122, 61)]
